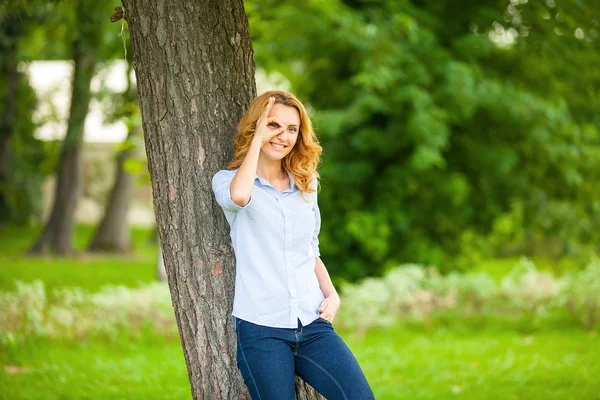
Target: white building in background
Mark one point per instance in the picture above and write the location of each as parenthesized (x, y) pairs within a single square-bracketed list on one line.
[(51, 81)]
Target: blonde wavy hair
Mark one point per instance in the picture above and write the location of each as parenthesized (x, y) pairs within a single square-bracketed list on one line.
[(302, 161)]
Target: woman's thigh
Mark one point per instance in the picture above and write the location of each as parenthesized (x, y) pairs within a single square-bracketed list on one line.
[(266, 362), (327, 364)]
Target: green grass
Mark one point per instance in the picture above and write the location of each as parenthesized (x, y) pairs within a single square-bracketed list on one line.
[(95, 370), (88, 274), (84, 270), (400, 363), (498, 268), (445, 364)]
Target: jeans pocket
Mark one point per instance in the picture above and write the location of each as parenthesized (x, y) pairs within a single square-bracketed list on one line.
[(327, 321)]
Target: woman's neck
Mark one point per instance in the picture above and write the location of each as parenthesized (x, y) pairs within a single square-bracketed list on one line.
[(270, 170)]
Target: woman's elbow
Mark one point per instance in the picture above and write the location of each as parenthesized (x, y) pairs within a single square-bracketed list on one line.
[(240, 200)]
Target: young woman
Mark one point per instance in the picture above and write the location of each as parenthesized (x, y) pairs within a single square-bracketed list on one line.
[(284, 302)]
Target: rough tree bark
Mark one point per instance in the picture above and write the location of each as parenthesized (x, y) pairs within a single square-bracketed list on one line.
[(113, 230), (58, 231), (195, 77)]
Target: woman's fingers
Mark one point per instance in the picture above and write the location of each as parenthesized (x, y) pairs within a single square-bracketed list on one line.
[(328, 317), (323, 306), (265, 113), (275, 127), (264, 119), (275, 120)]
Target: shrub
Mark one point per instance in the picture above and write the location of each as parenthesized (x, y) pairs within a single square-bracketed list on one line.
[(365, 305), (582, 294), (529, 291), (471, 293), (22, 311), (408, 293), (74, 313)]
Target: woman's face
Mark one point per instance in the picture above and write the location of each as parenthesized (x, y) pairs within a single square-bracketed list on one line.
[(280, 145)]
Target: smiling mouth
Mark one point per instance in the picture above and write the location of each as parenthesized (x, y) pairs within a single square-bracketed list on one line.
[(278, 146)]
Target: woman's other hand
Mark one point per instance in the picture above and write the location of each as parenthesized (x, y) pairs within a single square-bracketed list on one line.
[(329, 307)]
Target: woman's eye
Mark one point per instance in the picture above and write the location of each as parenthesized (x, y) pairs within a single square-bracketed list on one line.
[(274, 125), (293, 130)]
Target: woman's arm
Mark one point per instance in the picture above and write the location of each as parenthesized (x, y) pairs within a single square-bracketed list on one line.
[(243, 181), (330, 305)]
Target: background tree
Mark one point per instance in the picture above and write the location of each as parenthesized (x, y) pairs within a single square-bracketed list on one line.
[(87, 39), (113, 232)]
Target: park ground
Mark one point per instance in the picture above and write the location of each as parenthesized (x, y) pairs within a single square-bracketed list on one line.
[(446, 359)]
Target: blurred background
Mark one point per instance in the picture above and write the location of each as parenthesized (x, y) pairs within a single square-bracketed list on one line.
[(459, 196)]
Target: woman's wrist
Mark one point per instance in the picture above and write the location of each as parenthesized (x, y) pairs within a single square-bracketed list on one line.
[(256, 141), (332, 295)]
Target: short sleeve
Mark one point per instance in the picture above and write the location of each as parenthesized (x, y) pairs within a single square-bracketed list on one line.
[(315, 207), (221, 182)]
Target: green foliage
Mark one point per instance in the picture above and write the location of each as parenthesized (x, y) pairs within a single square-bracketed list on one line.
[(433, 132), (52, 26)]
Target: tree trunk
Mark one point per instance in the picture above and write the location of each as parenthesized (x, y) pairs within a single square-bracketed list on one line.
[(195, 77), (113, 231), (9, 38), (58, 232)]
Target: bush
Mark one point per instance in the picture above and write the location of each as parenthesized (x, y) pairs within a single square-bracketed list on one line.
[(410, 293), (472, 293), (530, 291), (74, 313), (417, 293), (581, 295)]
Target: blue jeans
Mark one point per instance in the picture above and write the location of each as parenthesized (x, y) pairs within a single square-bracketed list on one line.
[(269, 357)]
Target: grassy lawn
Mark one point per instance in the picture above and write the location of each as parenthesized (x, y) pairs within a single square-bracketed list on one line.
[(84, 270), (408, 364), (498, 268), (95, 370), (442, 361), (399, 363)]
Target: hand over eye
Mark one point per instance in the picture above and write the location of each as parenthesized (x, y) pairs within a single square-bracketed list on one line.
[(268, 127)]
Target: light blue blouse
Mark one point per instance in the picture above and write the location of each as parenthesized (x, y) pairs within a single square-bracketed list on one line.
[(275, 239)]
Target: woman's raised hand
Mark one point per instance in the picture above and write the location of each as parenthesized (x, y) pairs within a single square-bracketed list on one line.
[(267, 127)]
